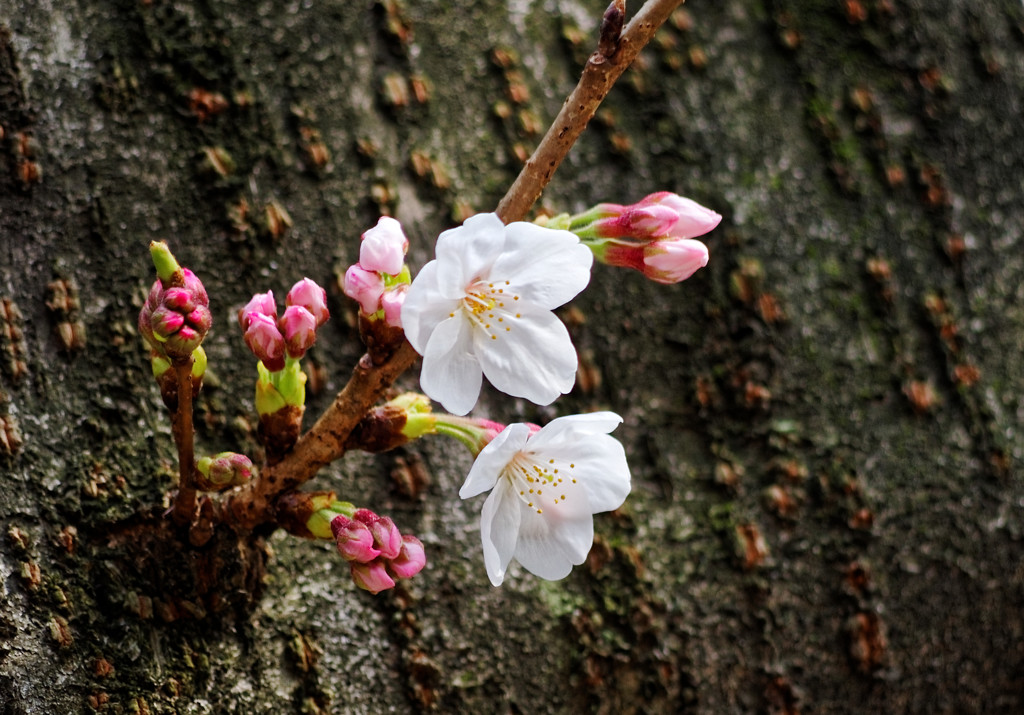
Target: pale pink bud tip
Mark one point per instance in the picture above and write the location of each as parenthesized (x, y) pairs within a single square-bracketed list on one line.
[(392, 301), (195, 286), (674, 260), (410, 561), (307, 294), (299, 328), (265, 341), (386, 537), (372, 577), (365, 287), (383, 247), (693, 219), (354, 539), (262, 303)]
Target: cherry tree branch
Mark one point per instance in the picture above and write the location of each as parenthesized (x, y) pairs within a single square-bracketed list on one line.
[(185, 499), (325, 441), (599, 74)]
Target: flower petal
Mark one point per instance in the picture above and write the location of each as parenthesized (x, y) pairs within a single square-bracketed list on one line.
[(543, 266), (493, 458), (467, 252), (499, 527), (451, 374), (535, 359), (557, 429), (599, 459), (425, 307), (550, 547)]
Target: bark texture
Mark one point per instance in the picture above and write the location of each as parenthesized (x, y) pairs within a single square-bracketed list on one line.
[(824, 425)]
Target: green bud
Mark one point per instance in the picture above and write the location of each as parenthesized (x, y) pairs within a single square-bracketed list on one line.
[(166, 265), (291, 383), (268, 399), (319, 524), (198, 362), (160, 365), (419, 424), (559, 222)]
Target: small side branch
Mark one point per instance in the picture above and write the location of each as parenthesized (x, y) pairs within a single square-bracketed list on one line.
[(185, 500), (323, 443), (599, 75)]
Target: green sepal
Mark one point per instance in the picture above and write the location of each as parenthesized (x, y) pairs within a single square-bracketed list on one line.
[(319, 524), (198, 362), (166, 264), (160, 365)]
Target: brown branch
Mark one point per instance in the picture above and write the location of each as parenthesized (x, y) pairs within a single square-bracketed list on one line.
[(599, 75), (185, 500), (325, 441)]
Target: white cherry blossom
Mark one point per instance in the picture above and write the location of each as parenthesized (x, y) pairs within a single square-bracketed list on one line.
[(483, 307), (545, 488)]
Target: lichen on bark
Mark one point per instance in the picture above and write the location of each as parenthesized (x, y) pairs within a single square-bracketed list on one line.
[(826, 508)]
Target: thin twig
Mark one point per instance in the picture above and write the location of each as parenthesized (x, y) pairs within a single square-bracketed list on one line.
[(598, 77), (185, 500), (325, 441)]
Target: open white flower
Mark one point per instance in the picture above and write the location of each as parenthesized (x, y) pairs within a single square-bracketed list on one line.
[(484, 306), (545, 489)]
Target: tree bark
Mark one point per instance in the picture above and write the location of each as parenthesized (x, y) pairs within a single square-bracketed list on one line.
[(823, 425)]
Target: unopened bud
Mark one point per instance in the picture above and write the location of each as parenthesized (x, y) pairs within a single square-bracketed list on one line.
[(365, 287), (265, 340), (299, 328), (384, 246), (391, 301), (372, 577), (410, 560), (307, 294), (354, 538), (386, 536), (227, 469), (262, 303), (674, 260)]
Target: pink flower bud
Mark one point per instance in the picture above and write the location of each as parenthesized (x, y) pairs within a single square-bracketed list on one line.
[(195, 286), (309, 295), (364, 286), (200, 319), (372, 577), (260, 303), (673, 260), (227, 468), (391, 301), (179, 299), (649, 221), (354, 539), (183, 342), (165, 322), (410, 560), (386, 536), (692, 218), (383, 247), (299, 328), (265, 341)]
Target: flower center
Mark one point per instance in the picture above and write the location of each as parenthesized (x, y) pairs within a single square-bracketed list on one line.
[(540, 484), (488, 306)]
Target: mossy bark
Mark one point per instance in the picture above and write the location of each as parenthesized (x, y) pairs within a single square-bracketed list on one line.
[(824, 425)]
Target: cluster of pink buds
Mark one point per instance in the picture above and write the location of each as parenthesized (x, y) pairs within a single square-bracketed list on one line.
[(224, 470), (271, 338), (377, 552), (176, 316), (654, 236), (380, 280)]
